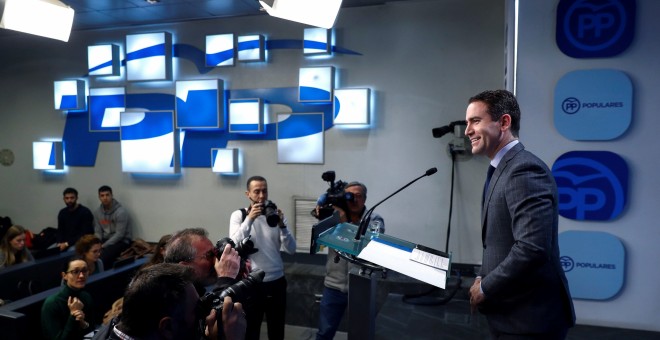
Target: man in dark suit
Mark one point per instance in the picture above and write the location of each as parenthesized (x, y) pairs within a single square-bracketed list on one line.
[(521, 287)]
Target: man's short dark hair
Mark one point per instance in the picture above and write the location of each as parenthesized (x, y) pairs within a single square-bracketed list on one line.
[(105, 188), (357, 184), (180, 248), (155, 292), (254, 179), (500, 102), (70, 191)]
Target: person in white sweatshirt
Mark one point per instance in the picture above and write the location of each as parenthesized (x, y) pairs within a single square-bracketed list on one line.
[(270, 239)]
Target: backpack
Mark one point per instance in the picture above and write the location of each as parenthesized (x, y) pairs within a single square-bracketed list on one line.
[(44, 239)]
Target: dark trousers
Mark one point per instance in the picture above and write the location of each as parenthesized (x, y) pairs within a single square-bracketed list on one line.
[(271, 301), (333, 305), (110, 253), (556, 334)]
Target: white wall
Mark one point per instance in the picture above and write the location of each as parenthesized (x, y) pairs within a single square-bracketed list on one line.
[(541, 65), (422, 59)]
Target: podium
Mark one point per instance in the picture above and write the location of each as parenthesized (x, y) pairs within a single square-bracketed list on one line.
[(375, 251)]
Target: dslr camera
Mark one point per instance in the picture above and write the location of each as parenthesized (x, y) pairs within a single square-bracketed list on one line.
[(335, 196), (244, 248), (241, 291)]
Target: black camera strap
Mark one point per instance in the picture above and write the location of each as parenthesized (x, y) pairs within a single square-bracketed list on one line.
[(244, 213)]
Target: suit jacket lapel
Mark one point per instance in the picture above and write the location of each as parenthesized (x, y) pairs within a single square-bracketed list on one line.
[(493, 181)]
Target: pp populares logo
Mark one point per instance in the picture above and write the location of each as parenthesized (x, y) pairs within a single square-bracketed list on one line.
[(593, 104), (592, 185), (594, 263), (595, 28)]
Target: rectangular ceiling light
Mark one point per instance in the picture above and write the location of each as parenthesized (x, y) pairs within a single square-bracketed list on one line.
[(46, 18), (319, 13)]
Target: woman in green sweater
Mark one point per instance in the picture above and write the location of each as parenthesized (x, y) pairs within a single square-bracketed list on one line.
[(65, 315)]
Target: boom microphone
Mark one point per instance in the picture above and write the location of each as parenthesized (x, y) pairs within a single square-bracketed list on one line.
[(364, 222)]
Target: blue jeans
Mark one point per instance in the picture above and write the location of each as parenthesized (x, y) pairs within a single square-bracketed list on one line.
[(333, 305)]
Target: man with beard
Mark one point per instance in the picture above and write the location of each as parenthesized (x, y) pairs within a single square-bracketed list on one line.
[(74, 221), (112, 225)]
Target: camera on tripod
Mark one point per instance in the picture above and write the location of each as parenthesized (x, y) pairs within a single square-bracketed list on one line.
[(245, 248), (335, 196)]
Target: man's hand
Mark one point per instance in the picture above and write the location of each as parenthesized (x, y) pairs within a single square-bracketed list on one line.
[(63, 246), (255, 210), (229, 263), (233, 320), (476, 296)]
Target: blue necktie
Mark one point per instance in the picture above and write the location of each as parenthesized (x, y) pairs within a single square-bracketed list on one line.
[(489, 175)]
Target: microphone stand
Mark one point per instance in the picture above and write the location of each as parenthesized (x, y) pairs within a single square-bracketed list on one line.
[(364, 222)]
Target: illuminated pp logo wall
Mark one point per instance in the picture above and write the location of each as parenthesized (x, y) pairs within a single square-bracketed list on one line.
[(351, 107), (246, 115), (251, 48), (47, 156), (220, 50), (105, 107), (594, 264), (595, 28), (592, 185), (149, 56), (103, 60), (300, 138), (149, 142), (317, 41), (70, 95), (315, 84), (225, 161), (593, 104), (200, 104)]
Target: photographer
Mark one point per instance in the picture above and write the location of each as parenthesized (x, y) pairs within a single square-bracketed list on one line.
[(335, 292), (192, 247), (268, 228), (161, 303)]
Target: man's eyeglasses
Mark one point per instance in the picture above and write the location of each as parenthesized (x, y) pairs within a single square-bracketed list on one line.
[(209, 255), (77, 272)]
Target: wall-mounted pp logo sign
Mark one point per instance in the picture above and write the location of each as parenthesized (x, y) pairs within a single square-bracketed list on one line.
[(594, 264), (595, 28), (593, 104), (592, 185)]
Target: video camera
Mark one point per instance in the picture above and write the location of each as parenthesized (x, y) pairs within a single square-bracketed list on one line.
[(335, 196), (245, 248)]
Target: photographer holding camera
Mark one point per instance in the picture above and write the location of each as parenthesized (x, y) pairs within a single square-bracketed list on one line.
[(267, 227), (335, 292), (161, 302)]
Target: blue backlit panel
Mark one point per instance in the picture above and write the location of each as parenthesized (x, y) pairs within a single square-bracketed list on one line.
[(246, 115), (351, 107), (47, 156), (220, 50), (105, 106), (200, 104), (251, 48), (300, 138), (315, 84), (103, 60), (224, 161), (317, 41), (149, 56), (149, 142), (70, 95)]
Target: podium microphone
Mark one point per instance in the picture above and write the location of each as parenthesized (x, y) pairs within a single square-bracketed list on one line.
[(364, 222)]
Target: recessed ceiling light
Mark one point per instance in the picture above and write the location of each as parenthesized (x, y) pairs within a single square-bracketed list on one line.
[(153, 1)]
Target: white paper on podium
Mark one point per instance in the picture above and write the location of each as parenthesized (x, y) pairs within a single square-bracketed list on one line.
[(399, 260)]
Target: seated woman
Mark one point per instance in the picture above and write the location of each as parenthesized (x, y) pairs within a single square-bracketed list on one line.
[(159, 252), (65, 314), (88, 248), (12, 247)]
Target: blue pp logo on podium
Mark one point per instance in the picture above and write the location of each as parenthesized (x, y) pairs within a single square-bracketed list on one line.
[(595, 28), (594, 264), (593, 104), (592, 185)]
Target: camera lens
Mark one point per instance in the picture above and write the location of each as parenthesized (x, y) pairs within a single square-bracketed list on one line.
[(270, 211)]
